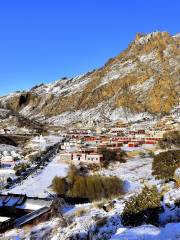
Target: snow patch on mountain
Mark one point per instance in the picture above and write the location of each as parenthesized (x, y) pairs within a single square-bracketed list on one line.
[(143, 87), (100, 113), (146, 38), (148, 57), (119, 70), (64, 86)]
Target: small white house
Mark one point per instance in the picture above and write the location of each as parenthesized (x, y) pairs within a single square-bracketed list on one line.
[(81, 157), (94, 158)]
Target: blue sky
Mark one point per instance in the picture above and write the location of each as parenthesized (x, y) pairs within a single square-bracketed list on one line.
[(43, 40)]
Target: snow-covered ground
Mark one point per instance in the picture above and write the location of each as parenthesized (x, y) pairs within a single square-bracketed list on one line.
[(148, 232), (135, 172), (37, 184), (112, 230)]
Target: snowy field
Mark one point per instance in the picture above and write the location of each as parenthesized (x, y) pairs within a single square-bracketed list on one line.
[(135, 172), (37, 184)]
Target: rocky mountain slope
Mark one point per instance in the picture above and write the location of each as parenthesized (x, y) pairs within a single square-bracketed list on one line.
[(142, 81)]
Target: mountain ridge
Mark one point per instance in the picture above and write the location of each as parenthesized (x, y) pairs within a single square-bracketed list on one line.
[(144, 80)]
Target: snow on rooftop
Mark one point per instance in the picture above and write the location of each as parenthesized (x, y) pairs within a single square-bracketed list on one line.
[(4, 219), (33, 205)]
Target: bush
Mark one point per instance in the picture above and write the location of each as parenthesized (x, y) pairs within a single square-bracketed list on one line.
[(165, 164), (96, 187), (59, 185), (170, 139), (80, 212), (143, 208), (177, 202), (101, 222), (18, 172), (142, 154), (21, 167), (151, 154), (111, 156), (72, 174), (94, 167), (9, 180), (88, 187)]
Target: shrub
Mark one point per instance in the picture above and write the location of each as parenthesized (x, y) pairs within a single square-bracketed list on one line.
[(87, 187), (18, 172), (101, 222), (177, 202), (80, 212), (96, 187), (21, 167), (151, 154), (170, 139), (9, 180), (143, 208), (142, 154), (59, 185), (72, 174), (111, 156), (165, 164), (93, 167)]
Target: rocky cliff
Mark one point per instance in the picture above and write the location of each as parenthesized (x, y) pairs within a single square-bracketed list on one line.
[(142, 81)]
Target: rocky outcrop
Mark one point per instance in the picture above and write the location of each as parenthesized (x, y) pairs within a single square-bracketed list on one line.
[(145, 78)]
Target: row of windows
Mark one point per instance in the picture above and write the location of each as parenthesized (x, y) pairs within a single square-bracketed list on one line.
[(92, 159)]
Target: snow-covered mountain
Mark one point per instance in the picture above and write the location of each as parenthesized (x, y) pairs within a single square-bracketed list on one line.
[(142, 81)]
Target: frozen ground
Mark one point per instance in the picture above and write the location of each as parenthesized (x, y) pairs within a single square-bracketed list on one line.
[(148, 232), (135, 172), (112, 230), (37, 184)]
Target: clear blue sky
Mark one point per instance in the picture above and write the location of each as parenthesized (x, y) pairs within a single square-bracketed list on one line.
[(43, 40)]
